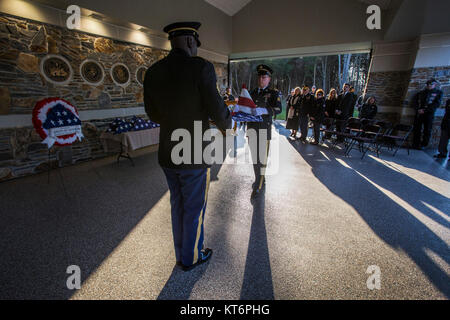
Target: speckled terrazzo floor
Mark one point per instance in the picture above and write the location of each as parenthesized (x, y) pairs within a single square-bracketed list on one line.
[(324, 219)]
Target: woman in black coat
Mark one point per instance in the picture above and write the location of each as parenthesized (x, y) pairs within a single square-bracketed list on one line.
[(369, 109), (331, 104), (316, 114), (293, 107)]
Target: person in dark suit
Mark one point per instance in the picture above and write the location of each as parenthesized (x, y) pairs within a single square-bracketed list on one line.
[(263, 97), (445, 128), (344, 109), (425, 103), (195, 101)]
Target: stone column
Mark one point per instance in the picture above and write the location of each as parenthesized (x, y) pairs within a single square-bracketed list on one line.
[(389, 76)]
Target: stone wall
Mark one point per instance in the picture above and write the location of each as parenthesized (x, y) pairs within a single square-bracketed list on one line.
[(389, 90), (395, 89), (23, 46), (419, 77)]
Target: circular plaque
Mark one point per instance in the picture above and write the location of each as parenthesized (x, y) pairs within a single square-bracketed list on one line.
[(92, 72), (56, 69), (120, 74), (140, 75)]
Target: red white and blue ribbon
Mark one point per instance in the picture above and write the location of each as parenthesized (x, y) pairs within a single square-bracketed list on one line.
[(57, 122)]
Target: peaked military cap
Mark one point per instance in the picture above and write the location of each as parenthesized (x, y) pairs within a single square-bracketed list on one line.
[(183, 29), (262, 70)]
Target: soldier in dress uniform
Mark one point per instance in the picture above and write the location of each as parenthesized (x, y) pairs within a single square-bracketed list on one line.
[(264, 97), (196, 100)]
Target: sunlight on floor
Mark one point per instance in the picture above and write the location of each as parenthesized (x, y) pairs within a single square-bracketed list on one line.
[(430, 223), (140, 258), (424, 178)]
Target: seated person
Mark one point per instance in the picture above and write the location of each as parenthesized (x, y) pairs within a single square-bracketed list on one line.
[(369, 109)]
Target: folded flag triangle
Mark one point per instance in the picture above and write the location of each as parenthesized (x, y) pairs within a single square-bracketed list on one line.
[(246, 109)]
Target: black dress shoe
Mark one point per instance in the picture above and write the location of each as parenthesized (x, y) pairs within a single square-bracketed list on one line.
[(205, 255)]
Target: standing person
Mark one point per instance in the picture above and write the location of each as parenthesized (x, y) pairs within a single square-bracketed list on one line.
[(330, 107), (316, 114), (287, 102), (345, 107), (425, 103), (264, 97), (305, 105), (313, 90), (195, 100), (293, 107), (445, 128), (369, 109), (331, 104)]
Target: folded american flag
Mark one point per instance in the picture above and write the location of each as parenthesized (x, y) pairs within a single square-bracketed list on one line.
[(246, 110), (119, 126)]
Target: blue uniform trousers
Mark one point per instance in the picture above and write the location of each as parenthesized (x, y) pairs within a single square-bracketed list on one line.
[(188, 197)]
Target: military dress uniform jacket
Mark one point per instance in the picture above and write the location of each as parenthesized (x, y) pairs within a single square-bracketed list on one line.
[(179, 90), (269, 99), (429, 100)]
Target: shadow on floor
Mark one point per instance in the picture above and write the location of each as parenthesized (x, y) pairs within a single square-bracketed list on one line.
[(257, 283), (356, 183), (78, 219), (180, 283)]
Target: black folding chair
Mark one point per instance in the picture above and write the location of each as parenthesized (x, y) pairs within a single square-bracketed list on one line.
[(329, 128), (386, 129), (397, 137), (367, 140), (351, 129)]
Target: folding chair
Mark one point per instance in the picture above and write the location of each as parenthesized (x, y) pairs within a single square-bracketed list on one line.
[(351, 129), (386, 129), (366, 140), (329, 128), (391, 140)]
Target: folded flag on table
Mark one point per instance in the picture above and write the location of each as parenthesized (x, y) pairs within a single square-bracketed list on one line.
[(141, 124), (246, 110), (119, 126)]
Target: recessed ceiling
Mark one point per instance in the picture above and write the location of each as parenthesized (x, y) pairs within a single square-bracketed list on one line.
[(230, 7)]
